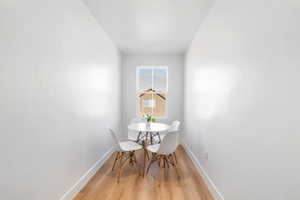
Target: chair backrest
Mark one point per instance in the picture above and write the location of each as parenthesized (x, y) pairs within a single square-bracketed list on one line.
[(116, 140), (174, 126), (132, 134), (169, 144)]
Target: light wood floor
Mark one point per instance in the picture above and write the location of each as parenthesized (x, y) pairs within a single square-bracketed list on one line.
[(161, 184)]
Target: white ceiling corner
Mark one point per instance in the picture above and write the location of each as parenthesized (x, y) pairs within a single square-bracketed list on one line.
[(150, 26)]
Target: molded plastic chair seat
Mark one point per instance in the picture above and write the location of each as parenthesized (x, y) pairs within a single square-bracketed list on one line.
[(130, 146), (153, 148)]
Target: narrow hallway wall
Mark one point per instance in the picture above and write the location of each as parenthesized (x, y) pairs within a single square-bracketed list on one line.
[(59, 91), (242, 98)]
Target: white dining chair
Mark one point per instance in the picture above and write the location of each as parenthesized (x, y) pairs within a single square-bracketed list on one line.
[(125, 151), (164, 152), (134, 135), (173, 128)]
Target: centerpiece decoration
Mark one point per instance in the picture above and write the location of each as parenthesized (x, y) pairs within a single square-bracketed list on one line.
[(149, 119)]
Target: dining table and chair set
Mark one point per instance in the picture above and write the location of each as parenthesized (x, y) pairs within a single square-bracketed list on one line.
[(158, 141)]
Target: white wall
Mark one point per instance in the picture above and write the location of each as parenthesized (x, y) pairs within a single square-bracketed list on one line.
[(175, 87), (59, 83), (242, 98)]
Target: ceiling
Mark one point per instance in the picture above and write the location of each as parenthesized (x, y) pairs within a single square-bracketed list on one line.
[(150, 26)]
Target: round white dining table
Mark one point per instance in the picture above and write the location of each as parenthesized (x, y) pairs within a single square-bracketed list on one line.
[(151, 127)]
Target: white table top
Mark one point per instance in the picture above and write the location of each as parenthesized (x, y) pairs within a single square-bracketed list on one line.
[(153, 127)]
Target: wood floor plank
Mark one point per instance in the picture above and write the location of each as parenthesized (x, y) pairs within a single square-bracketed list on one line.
[(158, 184)]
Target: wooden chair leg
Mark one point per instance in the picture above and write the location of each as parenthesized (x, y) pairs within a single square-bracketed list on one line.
[(175, 165), (116, 159), (167, 162), (145, 157), (160, 171), (156, 158), (134, 157), (131, 158), (174, 154), (160, 161), (150, 163), (121, 165), (136, 165)]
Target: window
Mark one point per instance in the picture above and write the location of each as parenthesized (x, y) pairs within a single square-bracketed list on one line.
[(151, 90)]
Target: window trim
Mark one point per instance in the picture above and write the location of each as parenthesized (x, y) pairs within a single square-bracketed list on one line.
[(137, 89)]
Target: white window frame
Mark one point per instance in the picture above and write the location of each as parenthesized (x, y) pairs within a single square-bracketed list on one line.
[(138, 90)]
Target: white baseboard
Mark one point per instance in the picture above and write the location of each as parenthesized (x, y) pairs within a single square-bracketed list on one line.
[(77, 187), (211, 186)]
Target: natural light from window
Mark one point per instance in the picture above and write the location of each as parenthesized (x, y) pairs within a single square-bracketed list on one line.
[(151, 90)]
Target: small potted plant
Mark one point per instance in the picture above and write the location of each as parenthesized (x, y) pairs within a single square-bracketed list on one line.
[(149, 119)]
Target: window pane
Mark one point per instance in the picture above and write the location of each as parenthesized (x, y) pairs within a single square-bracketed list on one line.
[(160, 79), (145, 79), (149, 103), (160, 108), (152, 90), (146, 103)]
